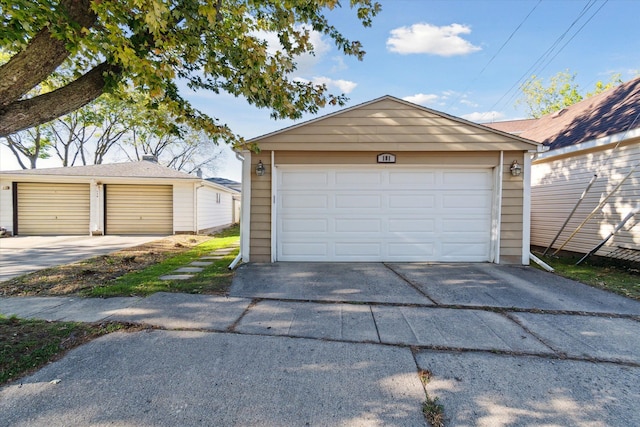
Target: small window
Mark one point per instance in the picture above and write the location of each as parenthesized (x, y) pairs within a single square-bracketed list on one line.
[(218, 197)]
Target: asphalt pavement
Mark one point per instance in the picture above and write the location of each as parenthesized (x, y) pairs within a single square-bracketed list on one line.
[(342, 345)]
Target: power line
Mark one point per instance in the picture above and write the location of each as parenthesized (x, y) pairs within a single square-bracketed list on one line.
[(496, 54), (542, 62)]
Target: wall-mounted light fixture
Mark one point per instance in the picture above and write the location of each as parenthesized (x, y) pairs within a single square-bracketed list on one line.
[(259, 168), (515, 168)]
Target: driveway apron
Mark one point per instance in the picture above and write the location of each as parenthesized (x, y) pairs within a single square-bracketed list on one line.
[(347, 345)]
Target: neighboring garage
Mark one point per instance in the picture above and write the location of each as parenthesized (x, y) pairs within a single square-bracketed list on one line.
[(387, 181), (138, 209), (136, 198), (51, 209)]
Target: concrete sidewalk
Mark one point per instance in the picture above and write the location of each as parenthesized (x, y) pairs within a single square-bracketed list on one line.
[(256, 360)]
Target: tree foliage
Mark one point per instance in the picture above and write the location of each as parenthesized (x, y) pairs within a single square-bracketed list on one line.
[(151, 44), (561, 92)]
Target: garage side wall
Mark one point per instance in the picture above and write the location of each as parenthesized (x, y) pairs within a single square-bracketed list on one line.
[(215, 209), (557, 185), (260, 245), (183, 213), (511, 220)]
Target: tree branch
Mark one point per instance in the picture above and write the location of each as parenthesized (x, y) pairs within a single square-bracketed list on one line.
[(44, 53), (24, 114)]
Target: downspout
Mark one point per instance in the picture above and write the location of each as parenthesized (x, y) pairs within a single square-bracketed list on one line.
[(238, 258)]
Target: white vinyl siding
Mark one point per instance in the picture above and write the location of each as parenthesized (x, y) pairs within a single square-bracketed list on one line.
[(53, 209), (557, 185), (139, 209), (212, 213), (183, 209), (384, 214)]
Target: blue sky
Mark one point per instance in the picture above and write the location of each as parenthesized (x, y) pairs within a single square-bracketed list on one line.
[(463, 57)]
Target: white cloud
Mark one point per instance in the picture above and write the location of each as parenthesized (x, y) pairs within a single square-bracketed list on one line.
[(468, 103), (430, 39), (345, 86), (423, 98), (486, 117)]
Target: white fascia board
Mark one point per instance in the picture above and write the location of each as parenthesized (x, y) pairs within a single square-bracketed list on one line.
[(593, 143)]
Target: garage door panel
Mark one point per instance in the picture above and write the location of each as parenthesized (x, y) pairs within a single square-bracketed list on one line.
[(139, 209), (415, 180), (358, 225), (466, 179), (305, 250), (398, 221), (304, 180), (304, 201), (411, 252), (412, 201), (297, 225), (357, 180), (354, 201), (53, 209), (356, 250)]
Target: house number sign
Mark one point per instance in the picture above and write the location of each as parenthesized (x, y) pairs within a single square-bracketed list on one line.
[(386, 158)]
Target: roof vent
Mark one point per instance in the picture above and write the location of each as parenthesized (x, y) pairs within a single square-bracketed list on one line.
[(150, 158)]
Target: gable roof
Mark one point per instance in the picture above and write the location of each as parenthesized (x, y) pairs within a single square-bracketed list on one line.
[(608, 113), (390, 123), (233, 185), (141, 169)]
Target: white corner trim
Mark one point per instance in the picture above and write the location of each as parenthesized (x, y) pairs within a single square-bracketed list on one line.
[(526, 210), (274, 210), (496, 222), (245, 207), (593, 143)]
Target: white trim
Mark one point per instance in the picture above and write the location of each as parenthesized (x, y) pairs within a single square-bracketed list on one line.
[(496, 214), (593, 143), (245, 207), (274, 206), (526, 209)]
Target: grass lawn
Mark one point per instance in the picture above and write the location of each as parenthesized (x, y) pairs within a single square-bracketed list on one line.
[(27, 345), (621, 280), (214, 279)]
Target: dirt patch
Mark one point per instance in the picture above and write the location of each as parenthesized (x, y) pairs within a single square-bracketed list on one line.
[(98, 271)]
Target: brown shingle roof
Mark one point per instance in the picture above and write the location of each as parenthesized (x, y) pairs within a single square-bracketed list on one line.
[(607, 113), (142, 169)]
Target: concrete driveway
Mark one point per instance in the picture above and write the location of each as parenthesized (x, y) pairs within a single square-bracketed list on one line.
[(343, 345), (23, 254)]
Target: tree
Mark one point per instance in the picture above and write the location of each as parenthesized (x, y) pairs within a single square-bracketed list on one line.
[(561, 92), (211, 45), (32, 143)]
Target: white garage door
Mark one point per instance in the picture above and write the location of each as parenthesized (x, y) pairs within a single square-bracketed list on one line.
[(390, 214), (139, 209), (53, 209)]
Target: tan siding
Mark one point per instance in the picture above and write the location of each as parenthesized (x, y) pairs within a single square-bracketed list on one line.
[(260, 245), (479, 159), (53, 209), (139, 209), (557, 185), (512, 211), (389, 125)]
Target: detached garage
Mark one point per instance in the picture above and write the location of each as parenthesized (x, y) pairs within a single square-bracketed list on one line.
[(387, 181), (141, 198)]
